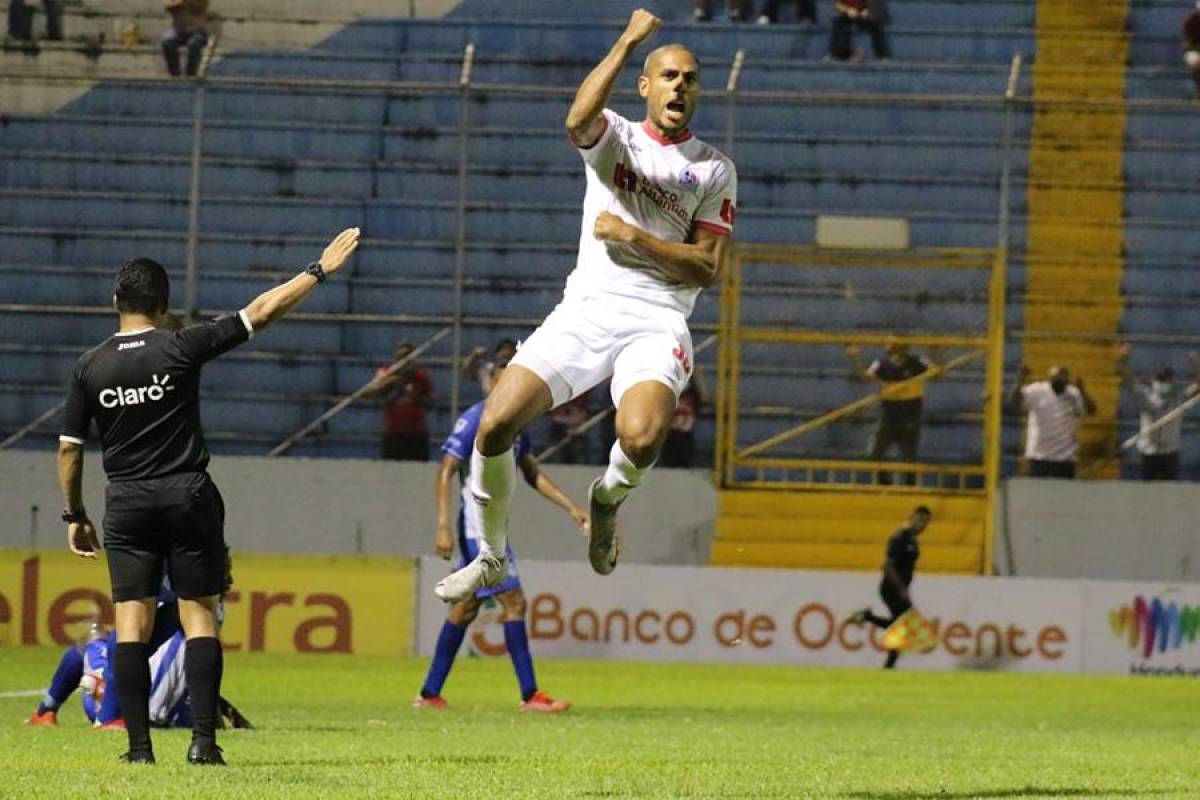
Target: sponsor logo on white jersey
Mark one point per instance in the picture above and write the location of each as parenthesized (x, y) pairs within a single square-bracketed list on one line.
[(688, 178), (136, 396)]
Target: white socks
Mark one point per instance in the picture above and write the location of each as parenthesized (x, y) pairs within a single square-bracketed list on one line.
[(491, 481), (621, 476)]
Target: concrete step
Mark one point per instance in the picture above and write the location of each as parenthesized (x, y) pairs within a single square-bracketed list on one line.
[(288, 9), (844, 530), (944, 559)]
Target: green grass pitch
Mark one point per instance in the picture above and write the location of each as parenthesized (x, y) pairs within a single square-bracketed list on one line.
[(332, 727)]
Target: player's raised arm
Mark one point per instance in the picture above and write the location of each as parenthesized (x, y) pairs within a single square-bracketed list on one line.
[(1015, 396), (585, 121), (276, 303)]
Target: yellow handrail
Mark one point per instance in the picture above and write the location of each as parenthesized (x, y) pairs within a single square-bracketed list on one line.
[(853, 408)]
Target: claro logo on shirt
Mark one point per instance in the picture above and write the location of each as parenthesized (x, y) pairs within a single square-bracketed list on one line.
[(135, 396)]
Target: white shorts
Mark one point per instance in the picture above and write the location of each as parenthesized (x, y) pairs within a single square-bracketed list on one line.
[(586, 340)]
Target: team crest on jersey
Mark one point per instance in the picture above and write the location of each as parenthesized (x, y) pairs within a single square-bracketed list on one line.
[(688, 179)]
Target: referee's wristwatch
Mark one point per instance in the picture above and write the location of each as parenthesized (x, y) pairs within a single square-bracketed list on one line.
[(316, 270), (74, 516)]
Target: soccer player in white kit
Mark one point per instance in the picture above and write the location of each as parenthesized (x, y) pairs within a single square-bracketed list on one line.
[(657, 219)]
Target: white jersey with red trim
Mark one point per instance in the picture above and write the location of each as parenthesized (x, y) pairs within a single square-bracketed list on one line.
[(666, 187)]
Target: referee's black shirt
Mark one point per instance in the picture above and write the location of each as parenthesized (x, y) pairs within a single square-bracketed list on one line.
[(142, 388), (904, 551)]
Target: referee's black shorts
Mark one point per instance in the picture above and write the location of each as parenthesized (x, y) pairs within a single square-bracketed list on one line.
[(177, 521), (896, 604)]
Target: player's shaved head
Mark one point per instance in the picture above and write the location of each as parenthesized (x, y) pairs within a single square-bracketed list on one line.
[(653, 57), (670, 83)]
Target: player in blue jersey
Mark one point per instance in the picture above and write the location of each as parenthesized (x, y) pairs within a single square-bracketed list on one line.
[(87, 665), (456, 459)]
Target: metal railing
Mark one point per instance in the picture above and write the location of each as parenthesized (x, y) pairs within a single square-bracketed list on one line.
[(192, 280), (358, 394), (25, 430)]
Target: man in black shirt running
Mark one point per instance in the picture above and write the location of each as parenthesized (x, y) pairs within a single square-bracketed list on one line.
[(898, 567), (141, 386)]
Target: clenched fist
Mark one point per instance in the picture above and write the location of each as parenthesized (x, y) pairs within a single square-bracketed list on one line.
[(642, 25), (611, 228)]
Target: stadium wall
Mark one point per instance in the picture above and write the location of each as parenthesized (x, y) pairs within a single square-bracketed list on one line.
[(1103, 530), (1114, 530), (343, 506)]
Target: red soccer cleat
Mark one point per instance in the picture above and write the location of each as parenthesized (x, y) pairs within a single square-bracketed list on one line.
[(543, 703), (439, 703), (117, 724), (47, 717)]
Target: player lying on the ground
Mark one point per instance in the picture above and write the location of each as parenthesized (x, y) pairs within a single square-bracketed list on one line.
[(657, 219), (87, 665), (898, 567), (456, 460)]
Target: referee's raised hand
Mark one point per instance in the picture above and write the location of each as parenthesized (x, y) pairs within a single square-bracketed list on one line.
[(82, 539), (339, 250)]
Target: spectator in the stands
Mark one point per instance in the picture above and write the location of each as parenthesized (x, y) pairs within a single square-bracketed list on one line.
[(1191, 45), (20, 19), (478, 367), (806, 11), (189, 31), (1156, 398), (1055, 407), (566, 418), (702, 12), (407, 396), (679, 450), (871, 16), (900, 404)]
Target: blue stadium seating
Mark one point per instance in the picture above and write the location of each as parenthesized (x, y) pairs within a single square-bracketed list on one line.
[(286, 166)]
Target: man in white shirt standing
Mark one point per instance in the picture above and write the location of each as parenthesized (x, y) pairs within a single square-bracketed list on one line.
[(657, 219), (1157, 397), (1055, 406)]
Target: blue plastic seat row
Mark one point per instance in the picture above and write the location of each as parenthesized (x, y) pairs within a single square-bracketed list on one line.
[(917, 13), (399, 219), (807, 72), (947, 42), (862, 184), (280, 115), (500, 162)]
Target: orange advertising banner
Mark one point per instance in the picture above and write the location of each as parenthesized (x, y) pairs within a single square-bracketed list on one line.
[(279, 604)]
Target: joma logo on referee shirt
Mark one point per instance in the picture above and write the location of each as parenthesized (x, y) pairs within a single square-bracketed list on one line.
[(135, 396)]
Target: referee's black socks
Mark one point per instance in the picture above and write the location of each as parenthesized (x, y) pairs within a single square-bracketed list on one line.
[(202, 667), (133, 682)]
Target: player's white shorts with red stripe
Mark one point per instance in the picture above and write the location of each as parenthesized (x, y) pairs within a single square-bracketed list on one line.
[(588, 339)]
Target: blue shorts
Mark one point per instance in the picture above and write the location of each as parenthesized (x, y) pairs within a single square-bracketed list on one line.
[(469, 547)]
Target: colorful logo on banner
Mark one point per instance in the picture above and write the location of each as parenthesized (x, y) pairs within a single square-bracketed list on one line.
[(1152, 625)]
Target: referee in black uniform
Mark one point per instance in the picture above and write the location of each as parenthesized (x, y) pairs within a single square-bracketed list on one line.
[(898, 567), (141, 386)]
